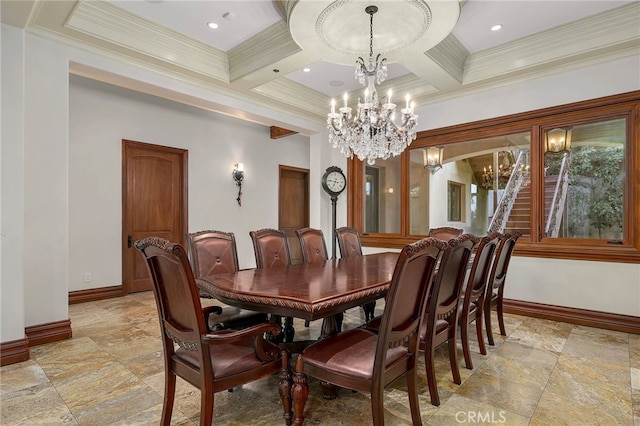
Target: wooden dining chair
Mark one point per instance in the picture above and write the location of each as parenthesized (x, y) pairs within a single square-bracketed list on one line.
[(497, 279), (474, 293), (314, 250), (215, 252), (366, 360), (271, 249), (441, 317), (312, 244), (209, 361), (445, 232), (349, 245)]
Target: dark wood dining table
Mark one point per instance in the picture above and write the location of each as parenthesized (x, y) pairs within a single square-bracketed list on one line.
[(307, 291)]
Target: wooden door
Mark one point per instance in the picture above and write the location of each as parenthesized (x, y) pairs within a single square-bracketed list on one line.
[(293, 211), (154, 203)]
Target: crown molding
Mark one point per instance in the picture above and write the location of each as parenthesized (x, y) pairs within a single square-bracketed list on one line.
[(609, 32), (450, 55), (110, 23), (296, 95), (262, 50)]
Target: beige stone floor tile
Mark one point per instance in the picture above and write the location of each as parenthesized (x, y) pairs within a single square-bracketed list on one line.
[(634, 350), (580, 388), (542, 334), (20, 376), (635, 400), (502, 393), (35, 405), (128, 343), (606, 345)]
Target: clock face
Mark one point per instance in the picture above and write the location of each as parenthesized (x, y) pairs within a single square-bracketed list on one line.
[(335, 182)]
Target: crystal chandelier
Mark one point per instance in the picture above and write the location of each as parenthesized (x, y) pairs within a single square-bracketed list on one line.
[(372, 133), (506, 162)]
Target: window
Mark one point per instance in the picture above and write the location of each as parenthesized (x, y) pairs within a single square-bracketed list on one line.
[(513, 173), (584, 188)]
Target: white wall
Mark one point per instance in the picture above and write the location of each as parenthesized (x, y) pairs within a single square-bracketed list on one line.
[(12, 184), (101, 115)]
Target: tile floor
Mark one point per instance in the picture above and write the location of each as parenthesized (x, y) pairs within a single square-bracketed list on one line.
[(111, 372)]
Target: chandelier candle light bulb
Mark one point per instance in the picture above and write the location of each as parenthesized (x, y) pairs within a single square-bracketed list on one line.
[(372, 133)]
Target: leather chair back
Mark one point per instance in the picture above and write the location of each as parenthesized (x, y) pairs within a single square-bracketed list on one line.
[(406, 300), (212, 252), (314, 249), (348, 242), (271, 248), (502, 260)]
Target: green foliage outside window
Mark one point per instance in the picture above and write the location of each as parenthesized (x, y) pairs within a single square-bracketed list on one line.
[(595, 199)]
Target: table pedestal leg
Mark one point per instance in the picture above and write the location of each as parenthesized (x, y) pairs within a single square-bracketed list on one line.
[(289, 331)]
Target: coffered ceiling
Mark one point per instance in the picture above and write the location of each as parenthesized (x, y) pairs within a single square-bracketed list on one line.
[(436, 49)]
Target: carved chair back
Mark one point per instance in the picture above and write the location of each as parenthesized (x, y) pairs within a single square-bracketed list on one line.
[(348, 242), (271, 248), (312, 244)]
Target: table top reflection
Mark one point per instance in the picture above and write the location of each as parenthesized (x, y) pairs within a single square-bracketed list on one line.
[(307, 291)]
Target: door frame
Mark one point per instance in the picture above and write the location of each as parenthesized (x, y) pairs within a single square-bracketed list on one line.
[(184, 210)]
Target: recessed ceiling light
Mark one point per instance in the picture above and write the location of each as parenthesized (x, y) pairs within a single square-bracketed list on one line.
[(212, 25), (497, 27), (306, 69)]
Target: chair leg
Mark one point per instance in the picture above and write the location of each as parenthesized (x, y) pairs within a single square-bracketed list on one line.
[(299, 392), (206, 406), (412, 388), (377, 406), (453, 356), (500, 313), (487, 320), (429, 355), (339, 320), (464, 338), (284, 387), (169, 396), (369, 310), (479, 334)]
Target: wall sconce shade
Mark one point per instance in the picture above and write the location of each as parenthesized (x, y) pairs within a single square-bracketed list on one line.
[(558, 140), (238, 176), (432, 158)]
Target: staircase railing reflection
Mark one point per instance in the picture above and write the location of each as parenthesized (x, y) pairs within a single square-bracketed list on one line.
[(519, 177), (558, 202)]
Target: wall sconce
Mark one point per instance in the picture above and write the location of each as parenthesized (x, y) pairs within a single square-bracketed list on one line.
[(558, 140), (432, 158), (238, 176)]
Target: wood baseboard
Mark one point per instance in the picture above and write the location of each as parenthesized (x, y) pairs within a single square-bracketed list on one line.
[(49, 332), (605, 320), (14, 351), (89, 295)]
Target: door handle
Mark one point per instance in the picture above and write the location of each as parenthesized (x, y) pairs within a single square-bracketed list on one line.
[(129, 240)]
